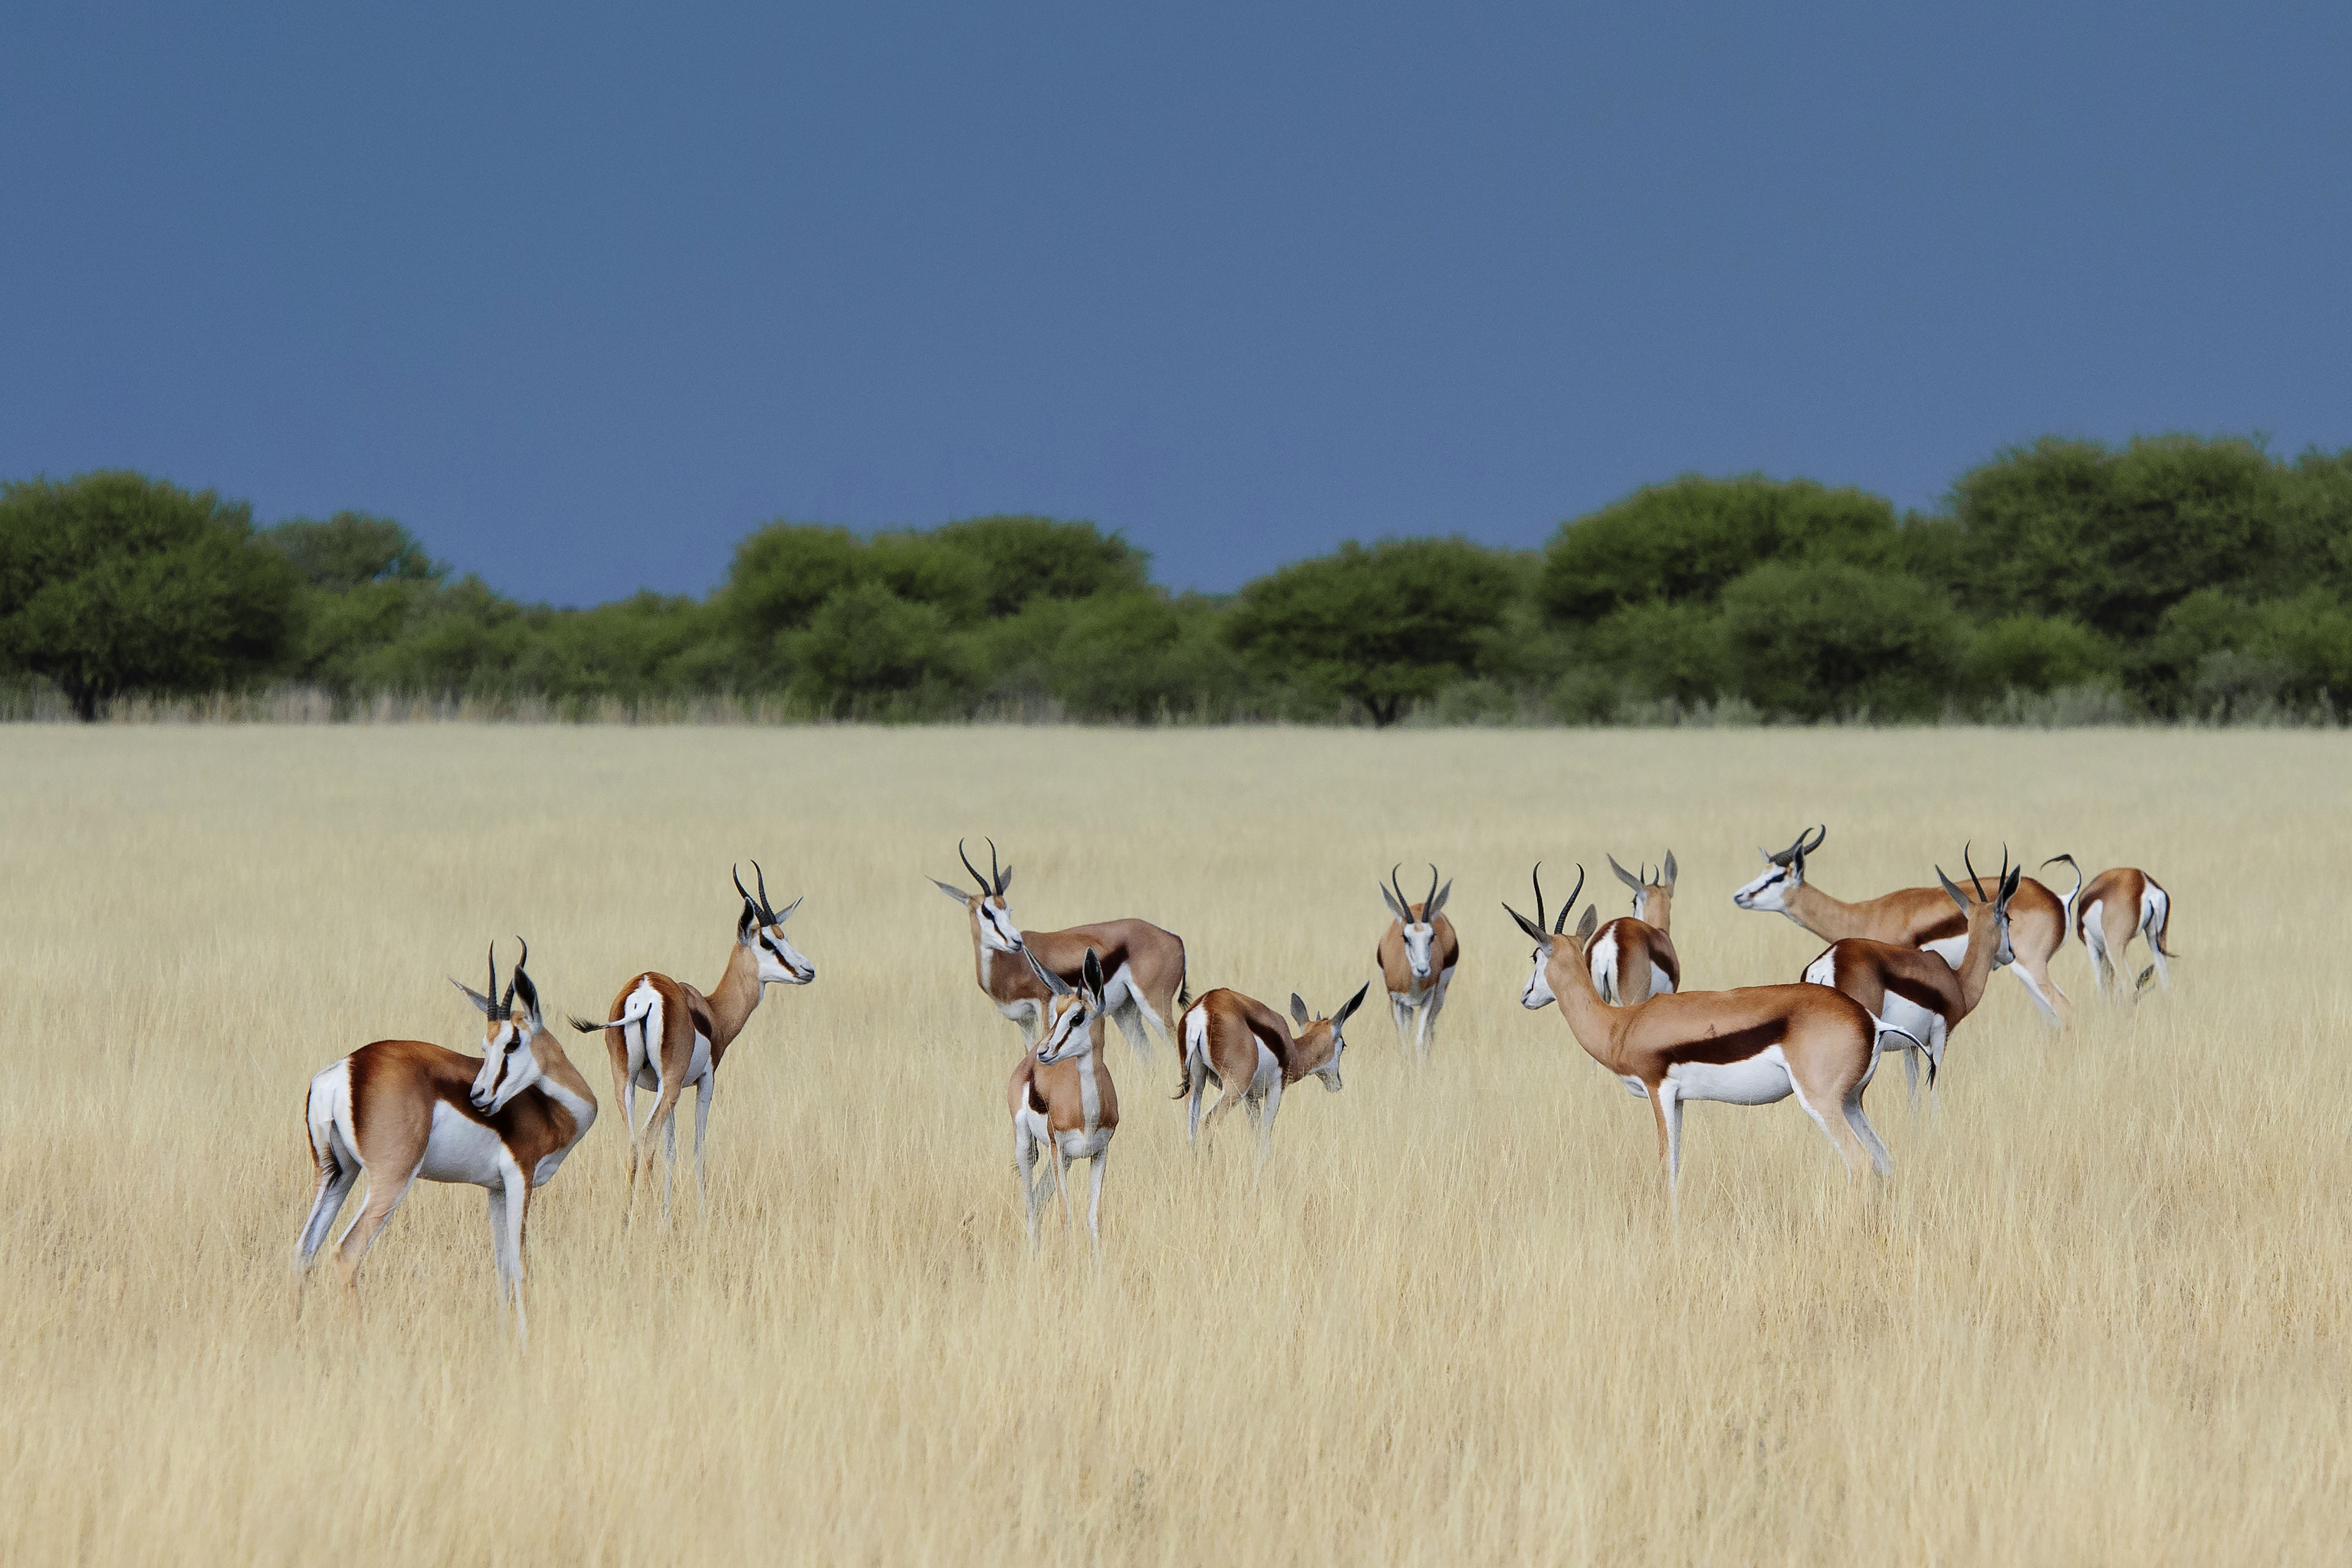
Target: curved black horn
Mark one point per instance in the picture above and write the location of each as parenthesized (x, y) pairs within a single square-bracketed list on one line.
[(1432, 893), (1974, 881), (1560, 923), (1818, 834), (995, 876), (767, 910), (968, 866), (1405, 905), (493, 989), (506, 1003), (1538, 875), (737, 873)]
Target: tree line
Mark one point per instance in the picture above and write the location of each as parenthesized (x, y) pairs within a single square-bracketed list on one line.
[(2172, 577)]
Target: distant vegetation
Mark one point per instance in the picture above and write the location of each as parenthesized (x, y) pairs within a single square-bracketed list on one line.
[(2173, 578)]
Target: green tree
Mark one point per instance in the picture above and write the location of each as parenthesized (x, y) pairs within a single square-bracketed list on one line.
[(352, 548), (1820, 639), (2034, 653), (1382, 627), (1690, 539), (112, 581), (1025, 558)]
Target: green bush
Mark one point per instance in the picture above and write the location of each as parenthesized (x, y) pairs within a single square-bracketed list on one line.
[(1823, 640), (2034, 654)]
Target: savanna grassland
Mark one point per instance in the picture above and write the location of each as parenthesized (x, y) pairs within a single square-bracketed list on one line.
[(2102, 1312)]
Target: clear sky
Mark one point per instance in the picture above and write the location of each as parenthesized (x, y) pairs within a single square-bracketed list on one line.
[(584, 293)]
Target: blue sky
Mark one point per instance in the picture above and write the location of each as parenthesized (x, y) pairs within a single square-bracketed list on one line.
[(584, 293)]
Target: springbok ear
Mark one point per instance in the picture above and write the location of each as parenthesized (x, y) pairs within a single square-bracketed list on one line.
[(487, 1008), (1004, 881), (952, 891), (2009, 887), (1542, 938), (1667, 875), (1624, 876), (1438, 902), (1588, 925), (1297, 1010), (746, 923), (1053, 982), (1394, 908), (1091, 972), (1344, 1014), (1950, 892), (786, 912), (528, 994)]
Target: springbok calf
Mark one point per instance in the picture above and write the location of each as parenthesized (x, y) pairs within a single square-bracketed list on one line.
[(1750, 1046), (1416, 957), (1242, 1045), (1914, 990), (664, 1036), (1143, 966), (2117, 905), (398, 1110), (1633, 957), (1062, 1098), (1915, 917)]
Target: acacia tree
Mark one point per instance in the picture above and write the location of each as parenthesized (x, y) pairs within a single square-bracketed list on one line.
[(1383, 626), (112, 581)]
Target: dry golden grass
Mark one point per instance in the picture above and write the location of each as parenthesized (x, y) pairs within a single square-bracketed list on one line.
[(2098, 1314)]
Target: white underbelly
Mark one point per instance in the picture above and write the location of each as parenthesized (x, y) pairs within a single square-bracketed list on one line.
[(461, 1148), (1270, 1071), (2095, 929), (1759, 1080), (1661, 982), (1911, 1018), (1949, 949), (1079, 1145)]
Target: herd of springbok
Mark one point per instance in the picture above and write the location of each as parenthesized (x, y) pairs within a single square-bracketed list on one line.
[(1900, 972)]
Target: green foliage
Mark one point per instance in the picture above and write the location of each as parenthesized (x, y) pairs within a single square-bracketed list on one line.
[(1382, 627), (113, 583), (1025, 558), (865, 641), (1689, 540), (352, 548), (2035, 654), (1822, 639)]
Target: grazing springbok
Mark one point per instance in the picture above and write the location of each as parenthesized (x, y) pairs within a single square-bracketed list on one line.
[(398, 1110), (1915, 917), (1914, 990), (1416, 957), (1062, 1098), (664, 1036), (1633, 957), (1243, 1045), (2117, 905), (1750, 1046), (1143, 966)]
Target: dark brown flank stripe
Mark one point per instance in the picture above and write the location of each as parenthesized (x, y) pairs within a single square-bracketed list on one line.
[(1952, 924), (1918, 993), (1737, 1045)]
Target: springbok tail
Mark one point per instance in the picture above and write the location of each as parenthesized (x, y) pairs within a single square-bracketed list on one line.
[(640, 1006), (1191, 1041), (2155, 922), (1183, 981), (2071, 896)]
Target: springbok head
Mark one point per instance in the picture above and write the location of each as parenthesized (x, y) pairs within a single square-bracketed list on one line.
[(509, 1059), (1420, 930), (1783, 874), (1653, 895), (1980, 909), (990, 920), (1072, 1013), (1319, 1040), (1539, 993), (762, 929)]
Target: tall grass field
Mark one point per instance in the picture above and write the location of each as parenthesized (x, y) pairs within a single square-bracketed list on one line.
[(2099, 1313)]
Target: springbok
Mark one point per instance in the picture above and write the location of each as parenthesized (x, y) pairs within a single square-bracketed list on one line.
[(1243, 1045), (1062, 1098), (1915, 917), (1918, 992), (1143, 966), (397, 1110), (1416, 957), (1750, 1046), (664, 1036), (1633, 957), (2117, 905)]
